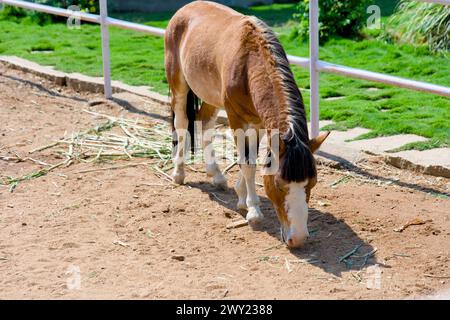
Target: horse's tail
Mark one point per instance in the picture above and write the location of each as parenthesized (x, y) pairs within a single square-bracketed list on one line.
[(192, 107)]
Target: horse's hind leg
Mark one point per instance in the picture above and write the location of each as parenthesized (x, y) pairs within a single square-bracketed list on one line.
[(181, 122), (208, 116)]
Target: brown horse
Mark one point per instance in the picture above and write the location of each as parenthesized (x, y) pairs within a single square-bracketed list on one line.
[(232, 61)]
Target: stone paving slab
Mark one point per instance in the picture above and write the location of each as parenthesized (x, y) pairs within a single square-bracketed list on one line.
[(382, 144), (337, 147), (340, 152), (435, 162), (342, 136), (426, 157)]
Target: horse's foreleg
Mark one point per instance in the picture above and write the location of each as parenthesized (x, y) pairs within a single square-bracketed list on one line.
[(247, 149), (254, 213), (241, 190), (208, 116), (181, 125)]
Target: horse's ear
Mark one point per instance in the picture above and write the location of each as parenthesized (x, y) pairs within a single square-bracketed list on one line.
[(315, 143)]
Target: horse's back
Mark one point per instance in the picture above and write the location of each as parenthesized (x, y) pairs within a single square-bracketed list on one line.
[(203, 20), (200, 39)]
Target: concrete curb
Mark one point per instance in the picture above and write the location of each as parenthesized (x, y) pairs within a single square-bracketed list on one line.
[(402, 163), (80, 82), (77, 81)]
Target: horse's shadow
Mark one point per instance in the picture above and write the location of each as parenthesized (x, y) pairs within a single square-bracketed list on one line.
[(330, 240)]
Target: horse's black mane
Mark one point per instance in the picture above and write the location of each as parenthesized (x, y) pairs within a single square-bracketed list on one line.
[(297, 164)]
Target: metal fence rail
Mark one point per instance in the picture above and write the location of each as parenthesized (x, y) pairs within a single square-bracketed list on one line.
[(313, 63)]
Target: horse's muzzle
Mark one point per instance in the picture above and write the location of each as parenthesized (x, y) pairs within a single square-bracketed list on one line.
[(292, 240)]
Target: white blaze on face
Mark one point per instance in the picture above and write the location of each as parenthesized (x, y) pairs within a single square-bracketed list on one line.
[(297, 211)]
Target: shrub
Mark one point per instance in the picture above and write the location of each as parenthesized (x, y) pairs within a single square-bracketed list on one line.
[(420, 23), (85, 5), (341, 18), (12, 13)]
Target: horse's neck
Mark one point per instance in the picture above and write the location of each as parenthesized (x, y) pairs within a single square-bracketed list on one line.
[(267, 95)]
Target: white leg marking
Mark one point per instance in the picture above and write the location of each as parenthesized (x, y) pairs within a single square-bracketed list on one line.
[(241, 190), (181, 125), (254, 213), (212, 169)]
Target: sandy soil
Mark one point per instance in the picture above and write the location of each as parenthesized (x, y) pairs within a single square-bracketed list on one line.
[(116, 233)]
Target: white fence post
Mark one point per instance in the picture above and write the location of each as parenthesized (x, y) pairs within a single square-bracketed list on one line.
[(313, 65), (105, 48)]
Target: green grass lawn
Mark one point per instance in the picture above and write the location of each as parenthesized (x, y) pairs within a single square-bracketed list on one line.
[(138, 59)]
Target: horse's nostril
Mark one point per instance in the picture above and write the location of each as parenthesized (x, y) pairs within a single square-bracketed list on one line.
[(293, 242), (290, 242)]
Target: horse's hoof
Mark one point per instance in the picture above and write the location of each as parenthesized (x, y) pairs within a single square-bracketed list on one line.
[(242, 205), (212, 170), (178, 178), (254, 215)]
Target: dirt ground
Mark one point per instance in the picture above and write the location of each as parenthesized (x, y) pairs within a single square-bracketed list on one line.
[(129, 234)]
